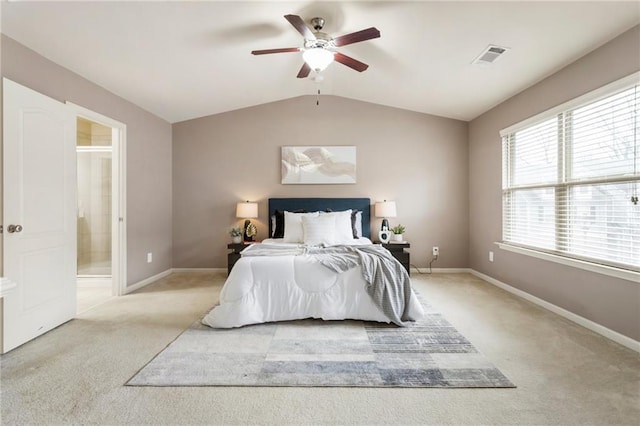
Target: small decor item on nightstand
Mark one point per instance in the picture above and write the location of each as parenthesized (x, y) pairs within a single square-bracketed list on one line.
[(248, 211), (250, 231), (398, 232), (236, 235), (384, 235)]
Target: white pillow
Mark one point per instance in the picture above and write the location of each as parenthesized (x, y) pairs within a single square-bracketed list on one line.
[(343, 229), (273, 226), (358, 224), (293, 226), (318, 229)]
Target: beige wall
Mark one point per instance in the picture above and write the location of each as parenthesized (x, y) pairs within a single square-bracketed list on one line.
[(148, 153), (418, 160), (611, 302), (444, 175)]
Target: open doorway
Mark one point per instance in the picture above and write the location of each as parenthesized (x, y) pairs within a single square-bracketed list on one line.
[(94, 153), (100, 208)]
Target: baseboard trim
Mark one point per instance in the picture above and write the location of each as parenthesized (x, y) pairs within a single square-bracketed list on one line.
[(137, 286), (586, 323), (425, 270), (199, 270)]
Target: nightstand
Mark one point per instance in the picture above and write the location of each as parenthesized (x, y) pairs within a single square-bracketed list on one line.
[(398, 251), (234, 255)]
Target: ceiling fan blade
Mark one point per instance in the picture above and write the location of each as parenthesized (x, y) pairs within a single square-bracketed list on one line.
[(356, 37), (350, 62), (283, 50), (300, 25), (304, 71)]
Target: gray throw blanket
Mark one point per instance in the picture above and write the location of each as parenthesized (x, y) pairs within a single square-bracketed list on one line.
[(388, 282)]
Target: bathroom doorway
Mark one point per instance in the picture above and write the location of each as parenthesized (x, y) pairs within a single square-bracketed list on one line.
[(100, 209), (94, 154)]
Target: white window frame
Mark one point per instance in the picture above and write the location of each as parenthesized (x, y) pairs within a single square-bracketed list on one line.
[(610, 270)]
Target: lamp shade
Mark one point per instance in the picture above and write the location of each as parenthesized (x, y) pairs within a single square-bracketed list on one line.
[(385, 209), (247, 210), (318, 58)]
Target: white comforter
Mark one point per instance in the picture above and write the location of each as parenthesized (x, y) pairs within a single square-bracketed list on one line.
[(288, 287)]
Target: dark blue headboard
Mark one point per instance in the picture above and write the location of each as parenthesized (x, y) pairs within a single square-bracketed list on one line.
[(322, 204)]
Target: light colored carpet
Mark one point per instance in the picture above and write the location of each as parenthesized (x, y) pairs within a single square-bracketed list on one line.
[(75, 374), (91, 292), (427, 353)]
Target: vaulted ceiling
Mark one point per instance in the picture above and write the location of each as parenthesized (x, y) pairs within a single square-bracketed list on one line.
[(182, 60)]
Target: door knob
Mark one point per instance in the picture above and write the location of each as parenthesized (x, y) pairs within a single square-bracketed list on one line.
[(14, 228)]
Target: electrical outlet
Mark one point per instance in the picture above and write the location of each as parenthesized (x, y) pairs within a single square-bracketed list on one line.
[(490, 256), (149, 257), (436, 250)]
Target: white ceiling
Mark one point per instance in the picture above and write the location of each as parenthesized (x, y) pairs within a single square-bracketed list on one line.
[(182, 60)]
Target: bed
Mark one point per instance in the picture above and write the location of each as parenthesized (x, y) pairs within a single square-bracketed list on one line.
[(311, 268)]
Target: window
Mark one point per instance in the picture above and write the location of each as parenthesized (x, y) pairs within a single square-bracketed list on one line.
[(571, 179)]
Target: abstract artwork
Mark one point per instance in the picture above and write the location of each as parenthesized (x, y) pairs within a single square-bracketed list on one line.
[(318, 164)]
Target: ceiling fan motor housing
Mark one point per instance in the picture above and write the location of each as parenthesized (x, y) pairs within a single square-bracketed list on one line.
[(317, 23), (323, 40)]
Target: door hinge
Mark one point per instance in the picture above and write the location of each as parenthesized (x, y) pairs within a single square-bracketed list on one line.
[(1, 228)]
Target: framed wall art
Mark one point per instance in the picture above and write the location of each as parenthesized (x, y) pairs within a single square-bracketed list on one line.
[(318, 164)]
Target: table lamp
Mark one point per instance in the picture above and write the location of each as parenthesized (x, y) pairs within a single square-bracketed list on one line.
[(248, 211), (385, 210)]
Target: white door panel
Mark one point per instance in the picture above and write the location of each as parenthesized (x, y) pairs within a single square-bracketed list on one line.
[(41, 165), (39, 191)]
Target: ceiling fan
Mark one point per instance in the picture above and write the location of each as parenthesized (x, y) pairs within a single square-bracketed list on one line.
[(319, 48)]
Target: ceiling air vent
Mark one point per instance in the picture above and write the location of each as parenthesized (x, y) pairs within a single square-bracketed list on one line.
[(490, 55)]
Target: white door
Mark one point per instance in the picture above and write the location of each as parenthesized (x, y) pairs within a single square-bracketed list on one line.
[(39, 190)]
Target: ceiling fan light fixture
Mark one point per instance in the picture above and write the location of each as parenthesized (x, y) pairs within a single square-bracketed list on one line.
[(319, 48), (318, 58)]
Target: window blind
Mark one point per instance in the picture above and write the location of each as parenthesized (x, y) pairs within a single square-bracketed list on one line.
[(571, 182)]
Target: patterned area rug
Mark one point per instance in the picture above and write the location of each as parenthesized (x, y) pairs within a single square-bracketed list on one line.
[(429, 353)]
